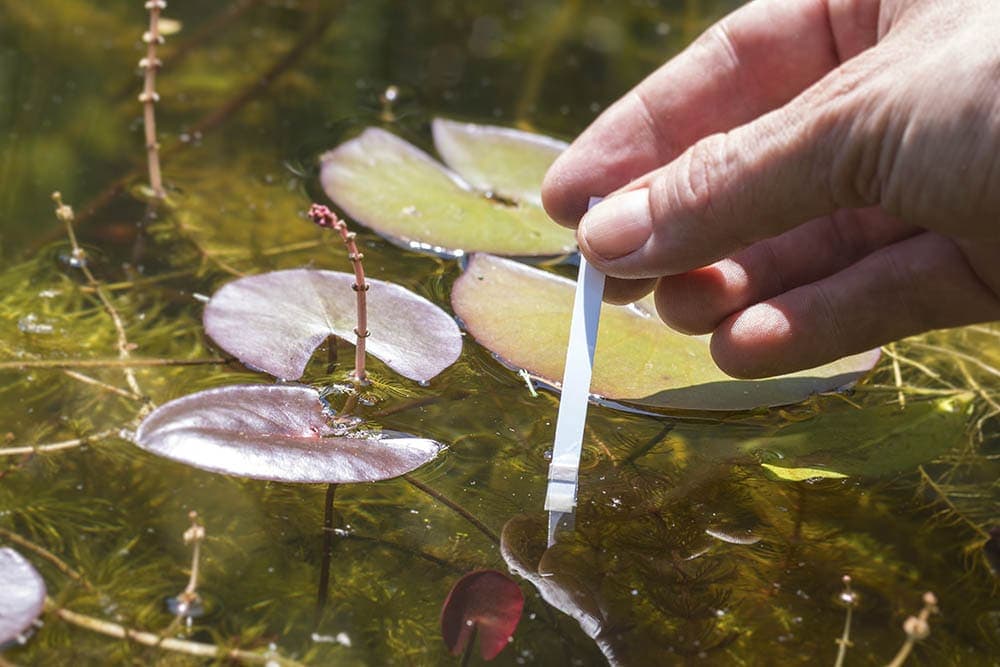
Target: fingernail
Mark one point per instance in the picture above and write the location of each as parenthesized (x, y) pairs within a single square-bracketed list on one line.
[(619, 225)]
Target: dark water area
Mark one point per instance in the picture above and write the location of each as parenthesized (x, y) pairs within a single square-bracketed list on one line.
[(687, 549)]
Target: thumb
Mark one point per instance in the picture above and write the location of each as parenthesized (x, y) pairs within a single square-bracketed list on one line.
[(817, 154)]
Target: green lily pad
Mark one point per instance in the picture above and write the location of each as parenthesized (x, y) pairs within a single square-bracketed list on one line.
[(399, 191), (801, 474), (872, 442), (502, 160), (522, 314)]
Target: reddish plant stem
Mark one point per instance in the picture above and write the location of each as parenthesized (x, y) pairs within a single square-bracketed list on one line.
[(148, 97), (327, 219)]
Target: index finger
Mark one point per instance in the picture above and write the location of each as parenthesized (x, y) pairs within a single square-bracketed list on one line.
[(755, 60)]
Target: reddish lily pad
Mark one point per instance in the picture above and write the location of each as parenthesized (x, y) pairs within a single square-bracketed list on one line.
[(275, 321), (22, 595), (522, 314), (278, 433), (399, 191), (508, 162), (486, 603)]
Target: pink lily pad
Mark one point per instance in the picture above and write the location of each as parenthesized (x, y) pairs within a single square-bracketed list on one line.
[(484, 603), (275, 321), (522, 314), (22, 595), (278, 433)]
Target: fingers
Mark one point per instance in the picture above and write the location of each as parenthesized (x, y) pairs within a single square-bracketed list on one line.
[(697, 301), (622, 292), (819, 153), (917, 284), (753, 61)]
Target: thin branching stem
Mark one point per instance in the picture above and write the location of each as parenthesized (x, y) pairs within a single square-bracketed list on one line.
[(947, 502), (897, 375), (44, 553), (56, 446), (65, 214), (448, 502), (199, 649), (86, 379), (149, 97), (130, 362)]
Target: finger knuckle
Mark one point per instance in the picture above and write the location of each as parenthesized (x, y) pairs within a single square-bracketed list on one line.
[(701, 185)]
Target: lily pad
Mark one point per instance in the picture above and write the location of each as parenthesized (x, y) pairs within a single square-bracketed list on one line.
[(402, 193), (522, 314), (275, 321), (501, 160), (872, 442), (278, 433), (486, 603), (801, 474), (22, 595)]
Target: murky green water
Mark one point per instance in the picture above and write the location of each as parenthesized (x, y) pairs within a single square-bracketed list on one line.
[(665, 552)]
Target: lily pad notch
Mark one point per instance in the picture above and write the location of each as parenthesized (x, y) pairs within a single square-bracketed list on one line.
[(487, 198), (274, 321)]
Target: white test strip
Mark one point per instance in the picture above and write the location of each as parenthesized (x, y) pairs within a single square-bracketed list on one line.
[(560, 497)]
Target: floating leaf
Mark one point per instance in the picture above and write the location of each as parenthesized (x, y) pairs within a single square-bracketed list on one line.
[(486, 603), (875, 441), (275, 321), (501, 160), (279, 433), (402, 193), (522, 314), (802, 474), (22, 595)]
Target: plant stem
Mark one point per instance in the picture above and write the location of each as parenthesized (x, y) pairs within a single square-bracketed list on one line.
[(917, 629), (466, 514), (56, 446), (324, 217), (467, 653), (129, 362), (849, 600), (199, 649), (148, 97), (323, 591), (47, 555), (65, 214)]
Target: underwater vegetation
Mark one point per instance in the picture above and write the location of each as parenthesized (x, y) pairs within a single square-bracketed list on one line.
[(242, 430)]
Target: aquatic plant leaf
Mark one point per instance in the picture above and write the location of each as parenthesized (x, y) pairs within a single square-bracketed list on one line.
[(522, 314), (508, 162), (401, 192), (278, 433), (275, 321), (22, 595), (801, 474), (872, 442), (486, 603)]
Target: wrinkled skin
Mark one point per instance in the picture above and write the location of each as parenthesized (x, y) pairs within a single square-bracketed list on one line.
[(809, 179)]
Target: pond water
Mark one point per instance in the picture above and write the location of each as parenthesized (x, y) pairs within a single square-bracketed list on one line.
[(686, 551)]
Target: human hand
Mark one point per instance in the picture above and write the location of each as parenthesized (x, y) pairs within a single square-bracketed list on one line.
[(809, 179)]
